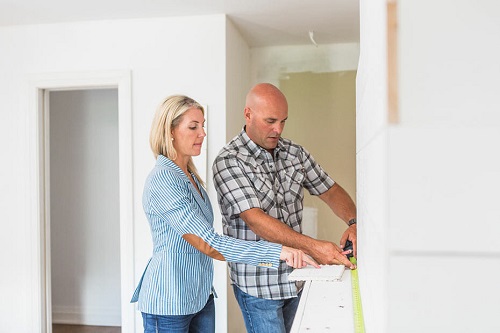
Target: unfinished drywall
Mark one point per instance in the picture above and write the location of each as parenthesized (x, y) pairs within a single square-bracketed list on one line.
[(322, 118)]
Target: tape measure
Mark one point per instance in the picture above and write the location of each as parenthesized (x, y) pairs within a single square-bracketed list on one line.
[(359, 323)]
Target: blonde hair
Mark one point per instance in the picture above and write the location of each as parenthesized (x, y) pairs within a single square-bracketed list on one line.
[(168, 116)]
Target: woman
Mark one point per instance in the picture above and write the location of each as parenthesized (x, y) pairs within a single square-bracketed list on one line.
[(175, 293)]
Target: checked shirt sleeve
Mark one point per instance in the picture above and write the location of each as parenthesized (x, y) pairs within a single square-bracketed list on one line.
[(317, 180), (235, 190)]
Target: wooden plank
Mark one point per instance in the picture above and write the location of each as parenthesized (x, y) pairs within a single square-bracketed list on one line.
[(325, 306), (392, 62)]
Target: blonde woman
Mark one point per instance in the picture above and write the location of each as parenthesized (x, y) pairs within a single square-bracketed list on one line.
[(175, 293)]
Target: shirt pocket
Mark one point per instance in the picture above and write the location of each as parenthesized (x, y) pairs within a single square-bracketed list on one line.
[(259, 180), (264, 191), (293, 184), (261, 183)]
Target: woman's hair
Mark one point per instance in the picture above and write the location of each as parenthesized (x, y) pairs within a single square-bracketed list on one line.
[(167, 117)]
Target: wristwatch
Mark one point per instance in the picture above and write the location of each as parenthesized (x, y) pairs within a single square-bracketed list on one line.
[(351, 222)]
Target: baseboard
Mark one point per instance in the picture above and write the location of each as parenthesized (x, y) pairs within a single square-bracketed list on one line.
[(86, 316)]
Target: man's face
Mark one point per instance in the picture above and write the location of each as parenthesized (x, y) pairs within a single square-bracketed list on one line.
[(265, 123)]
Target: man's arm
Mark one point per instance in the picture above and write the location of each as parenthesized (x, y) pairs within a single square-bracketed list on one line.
[(276, 231), (343, 206)]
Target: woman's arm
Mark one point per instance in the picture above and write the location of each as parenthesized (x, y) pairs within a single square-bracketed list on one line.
[(293, 257), (202, 246)]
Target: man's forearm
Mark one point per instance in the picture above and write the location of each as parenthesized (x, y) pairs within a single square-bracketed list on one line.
[(275, 231), (339, 202)]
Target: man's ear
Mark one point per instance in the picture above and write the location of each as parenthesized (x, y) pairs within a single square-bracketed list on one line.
[(247, 113)]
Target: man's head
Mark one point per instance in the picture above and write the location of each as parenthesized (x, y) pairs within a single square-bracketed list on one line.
[(266, 111)]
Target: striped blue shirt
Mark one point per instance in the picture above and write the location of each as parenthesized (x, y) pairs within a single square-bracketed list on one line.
[(178, 278)]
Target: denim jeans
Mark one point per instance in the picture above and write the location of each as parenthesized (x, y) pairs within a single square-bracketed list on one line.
[(266, 315), (200, 322)]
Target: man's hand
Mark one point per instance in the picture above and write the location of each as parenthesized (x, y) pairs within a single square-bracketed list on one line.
[(329, 253), (350, 234)]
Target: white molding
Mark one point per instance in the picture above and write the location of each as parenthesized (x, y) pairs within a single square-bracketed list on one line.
[(93, 316), (36, 84), (326, 306)]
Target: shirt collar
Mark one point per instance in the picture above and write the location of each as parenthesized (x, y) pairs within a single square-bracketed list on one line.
[(255, 149), (166, 162)]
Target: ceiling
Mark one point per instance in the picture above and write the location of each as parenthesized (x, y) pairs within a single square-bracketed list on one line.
[(261, 22)]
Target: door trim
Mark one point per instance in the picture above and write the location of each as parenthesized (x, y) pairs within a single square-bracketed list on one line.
[(37, 86)]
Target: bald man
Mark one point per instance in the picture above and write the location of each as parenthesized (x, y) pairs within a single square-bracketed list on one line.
[(260, 177)]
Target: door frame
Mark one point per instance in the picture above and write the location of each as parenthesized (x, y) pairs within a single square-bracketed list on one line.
[(37, 122)]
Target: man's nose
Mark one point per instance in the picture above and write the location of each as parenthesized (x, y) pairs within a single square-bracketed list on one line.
[(278, 128)]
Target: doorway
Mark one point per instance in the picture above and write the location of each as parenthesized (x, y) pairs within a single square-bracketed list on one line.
[(68, 284), (84, 214)]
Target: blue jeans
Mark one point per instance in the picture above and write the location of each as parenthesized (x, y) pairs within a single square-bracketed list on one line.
[(200, 322), (266, 315)]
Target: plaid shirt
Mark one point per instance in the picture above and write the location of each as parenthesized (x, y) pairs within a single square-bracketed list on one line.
[(247, 176)]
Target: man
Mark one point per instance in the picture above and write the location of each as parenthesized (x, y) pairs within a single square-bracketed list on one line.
[(260, 178)]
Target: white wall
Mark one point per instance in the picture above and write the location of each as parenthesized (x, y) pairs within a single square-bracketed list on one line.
[(371, 163), (270, 64), (428, 201), (238, 84), (238, 64), (163, 58), (450, 127), (84, 207)]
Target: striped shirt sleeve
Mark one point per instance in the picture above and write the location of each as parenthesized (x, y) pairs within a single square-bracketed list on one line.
[(172, 199)]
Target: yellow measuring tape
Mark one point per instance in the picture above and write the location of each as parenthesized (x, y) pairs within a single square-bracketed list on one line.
[(359, 323)]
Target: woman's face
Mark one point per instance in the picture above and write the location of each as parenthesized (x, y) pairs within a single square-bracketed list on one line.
[(189, 134)]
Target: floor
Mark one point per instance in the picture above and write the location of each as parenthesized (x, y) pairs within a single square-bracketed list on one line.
[(59, 328)]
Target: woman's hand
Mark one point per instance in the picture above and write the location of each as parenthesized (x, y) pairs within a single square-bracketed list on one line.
[(296, 258)]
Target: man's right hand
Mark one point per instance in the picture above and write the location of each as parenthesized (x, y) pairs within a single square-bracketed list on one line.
[(329, 253)]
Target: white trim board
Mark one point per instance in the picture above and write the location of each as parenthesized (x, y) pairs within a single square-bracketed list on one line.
[(325, 306), (36, 86)]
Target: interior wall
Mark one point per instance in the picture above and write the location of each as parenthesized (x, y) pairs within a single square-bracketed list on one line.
[(238, 84), (270, 64), (444, 175), (423, 181), (238, 63), (298, 70), (372, 165), (150, 49), (322, 118), (84, 207)]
